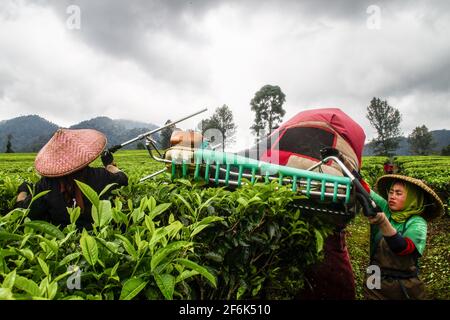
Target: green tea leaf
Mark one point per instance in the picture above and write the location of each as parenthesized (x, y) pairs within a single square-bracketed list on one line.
[(131, 288), (27, 285), (10, 236), (157, 236), (159, 209), (205, 222), (44, 266), (89, 248), (51, 244), (185, 203), (319, 241), (69, 258), (203, 271), (6, 294), (45, 227), (111, 246), (9, 281), (89, 193), (151, 204), (128, 246), (39, 195), (27, 253), (165, 251), (102, 214), (185, 275), (106, 189), (166, 283), (52, 289), (74, 214)]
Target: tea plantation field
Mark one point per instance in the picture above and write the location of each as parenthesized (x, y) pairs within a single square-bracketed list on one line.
[(164, 240)]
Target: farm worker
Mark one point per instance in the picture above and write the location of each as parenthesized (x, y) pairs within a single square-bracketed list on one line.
[(398, 236), (64, 159), (388, 167)]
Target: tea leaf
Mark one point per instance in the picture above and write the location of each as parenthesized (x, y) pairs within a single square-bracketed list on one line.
[(131, 288), (74, 214), (205, 222), (165, 251), (105, 189), (69, 258), (128, 246), (319, 241), (28, 286), (9, 281), (185, 275), (185, 203), (44, 266), (89, 193), (166, 283), (102, 214), (203, 271), (10, 236), (89, 248), (45, 227), (159, 209)]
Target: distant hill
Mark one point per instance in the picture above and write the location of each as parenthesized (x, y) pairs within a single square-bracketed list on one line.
[(117, 131), (440, 137), (31, 133)]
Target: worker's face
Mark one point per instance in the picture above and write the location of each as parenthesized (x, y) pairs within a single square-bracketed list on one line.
[(397, 197)]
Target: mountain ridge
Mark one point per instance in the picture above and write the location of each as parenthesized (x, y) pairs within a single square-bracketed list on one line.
[(31, 132)]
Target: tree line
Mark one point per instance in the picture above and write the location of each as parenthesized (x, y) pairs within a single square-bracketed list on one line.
[(267, 105)]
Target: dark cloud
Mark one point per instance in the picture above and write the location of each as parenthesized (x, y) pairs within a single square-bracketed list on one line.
[(148, 33), (321, 53)]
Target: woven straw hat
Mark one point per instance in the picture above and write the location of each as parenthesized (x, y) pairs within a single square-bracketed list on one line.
[(434, 206), (69, 150)]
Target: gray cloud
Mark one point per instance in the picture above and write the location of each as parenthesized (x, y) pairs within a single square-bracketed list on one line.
[(159, 58)]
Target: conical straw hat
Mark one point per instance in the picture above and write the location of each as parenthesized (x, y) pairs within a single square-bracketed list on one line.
[(69, 150), (434, 206)]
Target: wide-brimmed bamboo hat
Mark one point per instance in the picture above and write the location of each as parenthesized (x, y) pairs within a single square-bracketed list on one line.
[(69, 150), (434, 206)]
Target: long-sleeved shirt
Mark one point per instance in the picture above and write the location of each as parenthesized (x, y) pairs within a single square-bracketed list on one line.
[(52, 207), (411, 234)]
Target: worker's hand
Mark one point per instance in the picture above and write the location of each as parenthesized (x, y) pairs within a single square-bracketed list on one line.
[(380, 218), (107, 158)]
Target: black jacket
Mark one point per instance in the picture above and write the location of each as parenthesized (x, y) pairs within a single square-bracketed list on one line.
[(53, 208)]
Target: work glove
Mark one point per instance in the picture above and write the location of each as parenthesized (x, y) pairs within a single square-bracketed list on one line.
[(107, 158), (24, 187)]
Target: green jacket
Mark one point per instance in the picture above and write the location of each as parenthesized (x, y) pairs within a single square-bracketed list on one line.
[(415, 228)]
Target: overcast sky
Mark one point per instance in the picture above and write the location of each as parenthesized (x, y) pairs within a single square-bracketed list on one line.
[(154, 60)]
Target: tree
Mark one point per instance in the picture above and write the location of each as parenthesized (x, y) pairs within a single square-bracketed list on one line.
[(164, 137), (9, 144), (140, 146), (268, 107), (446, 151), (222, 120), (421, 141), (386, 121)]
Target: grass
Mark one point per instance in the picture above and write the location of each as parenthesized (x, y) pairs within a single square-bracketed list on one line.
[(357, 238)]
